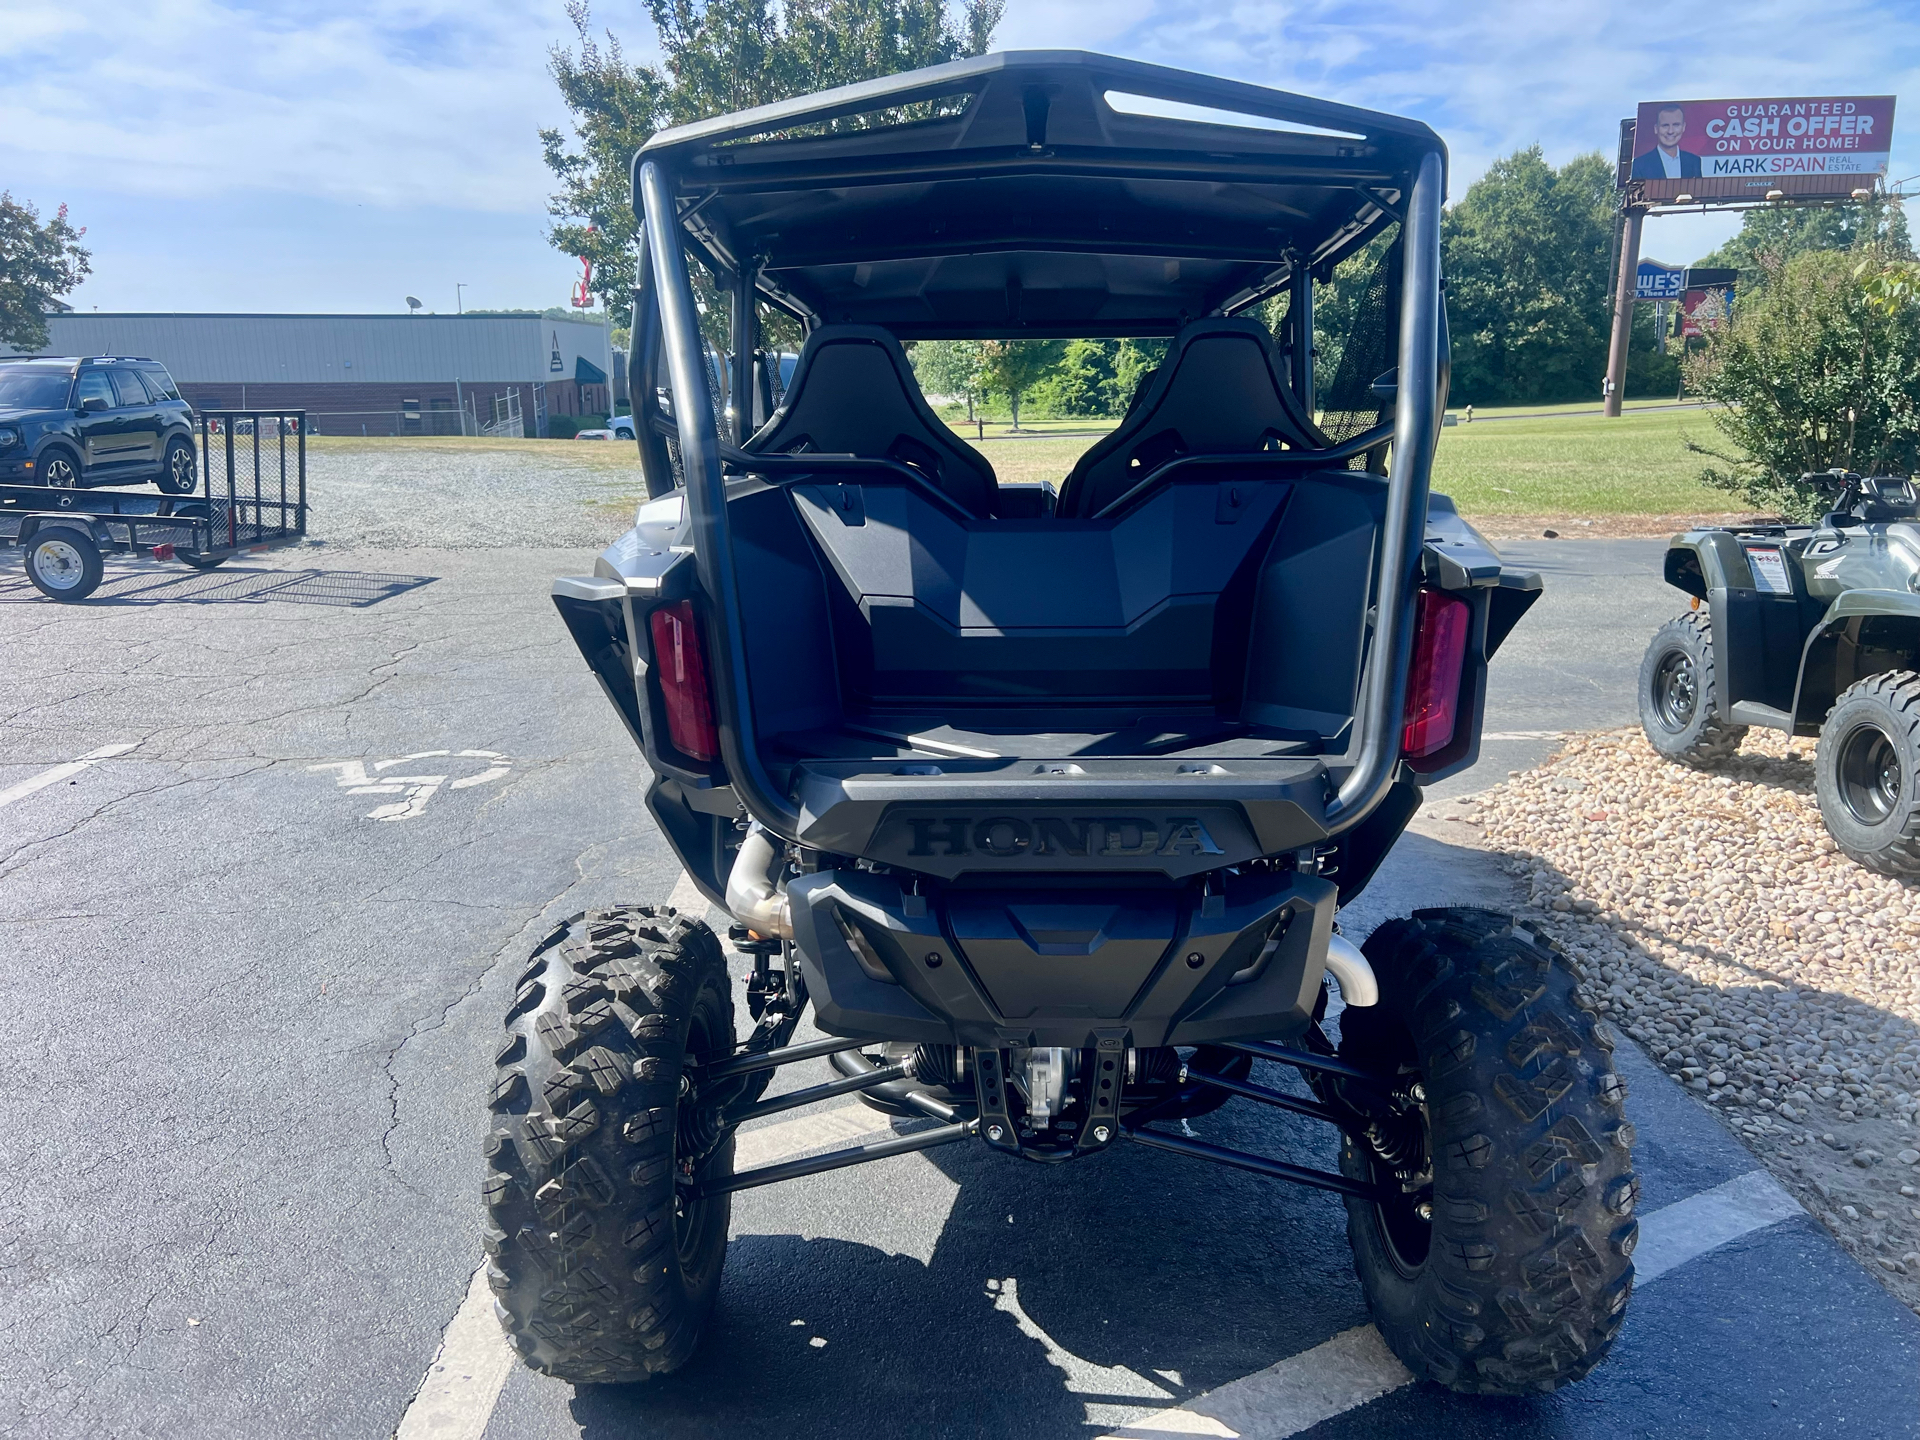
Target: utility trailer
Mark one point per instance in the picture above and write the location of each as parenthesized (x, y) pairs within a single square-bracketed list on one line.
[(259, 504)]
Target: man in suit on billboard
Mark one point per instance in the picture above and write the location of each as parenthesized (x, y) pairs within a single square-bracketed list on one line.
[(1667, 161)]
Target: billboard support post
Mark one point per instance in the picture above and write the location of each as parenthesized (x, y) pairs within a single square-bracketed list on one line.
[(1625, 282)]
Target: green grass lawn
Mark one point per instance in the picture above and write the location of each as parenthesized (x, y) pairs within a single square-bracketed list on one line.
[(1580, 465), (1539, 464), (1558, 464)]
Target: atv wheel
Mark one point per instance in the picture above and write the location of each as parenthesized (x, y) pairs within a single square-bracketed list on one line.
[(1679, 700), (603, 1270), (1501, 1266), (1867, 772)]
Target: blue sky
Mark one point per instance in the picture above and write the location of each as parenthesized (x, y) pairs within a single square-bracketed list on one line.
[(340, 156)]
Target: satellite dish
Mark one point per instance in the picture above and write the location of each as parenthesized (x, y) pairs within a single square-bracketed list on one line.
[(413, 305)]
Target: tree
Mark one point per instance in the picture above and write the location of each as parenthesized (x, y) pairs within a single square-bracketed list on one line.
[(1774, 235), (1133, 361), (38, 264), (1013, 367), (1820, 369), (719, 56), (949, 367), (1526, 263), (1080, 381)]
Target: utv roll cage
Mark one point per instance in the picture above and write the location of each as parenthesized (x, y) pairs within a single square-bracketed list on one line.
[(1029, 195)]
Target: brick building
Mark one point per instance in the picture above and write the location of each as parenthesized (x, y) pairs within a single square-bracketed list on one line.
[(365, 374)]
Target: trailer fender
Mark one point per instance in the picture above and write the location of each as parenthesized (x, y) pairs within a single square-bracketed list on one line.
[(87, 525), (1863, 633)]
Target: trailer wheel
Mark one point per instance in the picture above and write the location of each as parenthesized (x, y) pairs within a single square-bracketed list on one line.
[(1680, 698), (1866, 773), (1501, 1265), (177, 475), (195, 510), (64, 563), (603, 1269)]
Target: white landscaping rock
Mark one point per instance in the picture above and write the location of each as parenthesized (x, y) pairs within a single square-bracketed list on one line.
[(1710, 917)]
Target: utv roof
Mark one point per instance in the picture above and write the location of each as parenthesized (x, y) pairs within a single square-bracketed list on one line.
[(1040, 193)]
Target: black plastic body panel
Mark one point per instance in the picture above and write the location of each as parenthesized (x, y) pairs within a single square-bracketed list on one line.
[(1054, 964), (1267, 578)]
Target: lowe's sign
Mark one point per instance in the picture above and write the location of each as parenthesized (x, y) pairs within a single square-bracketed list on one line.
[(1659, 282)]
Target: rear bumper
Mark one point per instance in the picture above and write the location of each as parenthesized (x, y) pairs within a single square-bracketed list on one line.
[(1063, 965)]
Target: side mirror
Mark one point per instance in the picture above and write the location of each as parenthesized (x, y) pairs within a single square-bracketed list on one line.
[(92, 405), (1387, 388)]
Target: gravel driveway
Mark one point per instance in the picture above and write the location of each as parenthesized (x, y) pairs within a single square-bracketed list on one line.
[(1714, 919), (526, 495)]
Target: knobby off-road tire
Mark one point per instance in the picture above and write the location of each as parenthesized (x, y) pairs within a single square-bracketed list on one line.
[(602, 1272), (1520, 1280), (1867, 772), (1680, 695)]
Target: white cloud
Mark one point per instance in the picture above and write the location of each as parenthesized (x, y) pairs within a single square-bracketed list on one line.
[(1497, 75), (424, 102), (317, 114)]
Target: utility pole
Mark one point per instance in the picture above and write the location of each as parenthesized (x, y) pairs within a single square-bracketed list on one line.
[(459, 307), (1624, 286)]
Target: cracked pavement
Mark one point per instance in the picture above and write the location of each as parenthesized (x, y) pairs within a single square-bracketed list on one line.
[(253, 1024)]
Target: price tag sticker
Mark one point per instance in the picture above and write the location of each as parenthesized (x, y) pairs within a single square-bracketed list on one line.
[(1770, 571)]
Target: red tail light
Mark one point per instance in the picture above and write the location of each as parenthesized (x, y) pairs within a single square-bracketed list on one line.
[(680, 661), (1433, 679)]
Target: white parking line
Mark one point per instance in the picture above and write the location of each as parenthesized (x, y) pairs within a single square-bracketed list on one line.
[(61, 772), (1689, 1228), (686, 896), (465, 1379), (1355, 1366)]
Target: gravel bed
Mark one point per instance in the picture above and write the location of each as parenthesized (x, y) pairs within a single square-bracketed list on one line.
[(401, 499), (1711, 916)]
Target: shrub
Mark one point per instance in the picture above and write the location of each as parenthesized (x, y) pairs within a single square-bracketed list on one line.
[(1820, 370)]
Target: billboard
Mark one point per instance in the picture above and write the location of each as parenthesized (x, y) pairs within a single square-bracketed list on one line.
[(1740, 149)]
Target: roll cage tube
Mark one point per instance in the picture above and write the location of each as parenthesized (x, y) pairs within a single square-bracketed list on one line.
[(1384, 695), (707, 507)]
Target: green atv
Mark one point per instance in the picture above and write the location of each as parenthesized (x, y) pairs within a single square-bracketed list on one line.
[(1814, 630)]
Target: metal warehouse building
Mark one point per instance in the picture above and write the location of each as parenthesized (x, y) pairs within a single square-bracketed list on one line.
[(367, 374)]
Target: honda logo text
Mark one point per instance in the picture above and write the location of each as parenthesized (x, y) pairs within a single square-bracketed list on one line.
[(1005, 836)]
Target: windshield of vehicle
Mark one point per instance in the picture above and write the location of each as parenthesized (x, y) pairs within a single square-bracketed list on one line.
[(33, 387)]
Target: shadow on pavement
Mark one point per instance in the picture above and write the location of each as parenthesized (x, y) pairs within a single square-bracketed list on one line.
[(1053, 1296), (151, 584)]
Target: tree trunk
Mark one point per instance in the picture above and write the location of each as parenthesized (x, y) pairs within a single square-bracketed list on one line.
[(1014, 396)]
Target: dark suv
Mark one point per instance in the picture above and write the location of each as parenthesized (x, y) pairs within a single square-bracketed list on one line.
[(102, 420)]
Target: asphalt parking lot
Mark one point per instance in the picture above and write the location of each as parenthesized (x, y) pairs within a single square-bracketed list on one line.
[(258, 958)]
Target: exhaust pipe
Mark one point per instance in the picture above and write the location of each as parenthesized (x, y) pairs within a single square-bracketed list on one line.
[(754, 896), (1344, 962)]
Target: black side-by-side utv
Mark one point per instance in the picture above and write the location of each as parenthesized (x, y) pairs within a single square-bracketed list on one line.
[(1044, 800)]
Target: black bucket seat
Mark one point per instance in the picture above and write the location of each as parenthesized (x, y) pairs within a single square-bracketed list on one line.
[(1220, 391), (853, 392)]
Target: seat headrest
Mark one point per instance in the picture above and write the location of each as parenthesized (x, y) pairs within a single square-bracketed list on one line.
[(1220, 391), (853, 392)]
